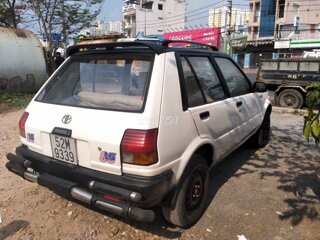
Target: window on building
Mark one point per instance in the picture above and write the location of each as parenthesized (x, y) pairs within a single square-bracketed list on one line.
[(284, 55), (160, 6), (255, 33), (251, 7), (295, 9), (147, 4), (281, 8), (257, 13)]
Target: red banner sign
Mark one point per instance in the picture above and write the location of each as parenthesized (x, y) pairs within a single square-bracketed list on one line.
[(205, 35)]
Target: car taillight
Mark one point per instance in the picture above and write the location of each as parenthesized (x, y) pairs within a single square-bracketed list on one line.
[(22, 124), (139, 147)]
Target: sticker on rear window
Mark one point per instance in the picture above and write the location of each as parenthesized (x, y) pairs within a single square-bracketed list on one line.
[(108, 157), (30, 137)]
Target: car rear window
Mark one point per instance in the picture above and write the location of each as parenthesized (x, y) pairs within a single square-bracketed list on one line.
[(116, 81)]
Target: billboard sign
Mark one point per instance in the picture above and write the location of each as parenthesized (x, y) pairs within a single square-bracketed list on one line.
[(205, 35), (55, 37)]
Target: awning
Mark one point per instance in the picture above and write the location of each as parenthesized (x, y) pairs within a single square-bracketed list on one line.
[(254, 43)]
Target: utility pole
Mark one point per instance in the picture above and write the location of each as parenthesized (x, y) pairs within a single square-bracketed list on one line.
[(229, 27)]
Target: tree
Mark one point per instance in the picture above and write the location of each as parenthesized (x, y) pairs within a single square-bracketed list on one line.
[(10, 15), (312, 120), (63, 17)]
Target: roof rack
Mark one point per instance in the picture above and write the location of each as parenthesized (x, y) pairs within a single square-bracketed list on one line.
[(151, 45), (166, 43), (156, 46)]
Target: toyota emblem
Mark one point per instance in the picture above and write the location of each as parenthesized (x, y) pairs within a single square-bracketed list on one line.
[(66, 119)]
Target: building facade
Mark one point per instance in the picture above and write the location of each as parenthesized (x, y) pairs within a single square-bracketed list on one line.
[(153, 17), (280, 29), (114, 27), (97, 30), (219, 17), (297, 27), (262, 19)]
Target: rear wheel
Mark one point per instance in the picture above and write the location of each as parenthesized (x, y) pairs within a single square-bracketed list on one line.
[(191, 194), (290, 98), (261, 138)]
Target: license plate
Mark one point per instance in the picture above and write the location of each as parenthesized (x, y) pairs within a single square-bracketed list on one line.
[(64, 149)]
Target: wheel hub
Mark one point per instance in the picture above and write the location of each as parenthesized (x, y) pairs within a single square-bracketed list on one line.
[(290, 101), (195, 191)]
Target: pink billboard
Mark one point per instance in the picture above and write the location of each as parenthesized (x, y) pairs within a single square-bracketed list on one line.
[(205, 35)]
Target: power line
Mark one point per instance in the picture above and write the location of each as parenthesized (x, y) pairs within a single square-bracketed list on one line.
[(169, 22), (178, 21), (206, 7)]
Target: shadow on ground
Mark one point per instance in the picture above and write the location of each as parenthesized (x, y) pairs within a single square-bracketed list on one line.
[(12, 228), (284, 158), (287, 159)]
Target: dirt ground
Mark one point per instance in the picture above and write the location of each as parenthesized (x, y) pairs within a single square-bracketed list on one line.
[(260, 194)]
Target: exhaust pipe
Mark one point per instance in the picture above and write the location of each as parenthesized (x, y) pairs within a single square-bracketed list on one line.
[(32, 177), (81, 195)]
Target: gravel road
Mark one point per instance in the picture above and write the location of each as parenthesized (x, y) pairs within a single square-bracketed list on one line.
[(260, 194)]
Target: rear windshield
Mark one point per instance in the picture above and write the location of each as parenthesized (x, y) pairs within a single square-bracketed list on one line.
[(108, 81)]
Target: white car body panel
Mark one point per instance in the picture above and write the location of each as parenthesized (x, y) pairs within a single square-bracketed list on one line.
[(249, 114), (180, 133), (101, 134)]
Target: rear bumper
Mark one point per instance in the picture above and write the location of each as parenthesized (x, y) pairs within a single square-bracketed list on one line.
[(122, 195)]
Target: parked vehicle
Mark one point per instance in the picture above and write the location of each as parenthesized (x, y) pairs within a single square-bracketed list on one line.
[(289, 79), (130, 125)]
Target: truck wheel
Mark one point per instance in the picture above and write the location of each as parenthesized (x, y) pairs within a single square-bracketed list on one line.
[(261, 138), (290, 98), (190, 196)]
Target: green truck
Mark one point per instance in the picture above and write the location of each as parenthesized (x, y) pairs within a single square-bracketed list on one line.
[(288, 78)]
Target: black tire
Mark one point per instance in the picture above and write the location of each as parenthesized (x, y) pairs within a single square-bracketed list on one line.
[(290, 98), (191, 195), (262, 137)]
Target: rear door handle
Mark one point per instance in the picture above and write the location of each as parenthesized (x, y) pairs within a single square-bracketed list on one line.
[(239, 103), (204, 115)]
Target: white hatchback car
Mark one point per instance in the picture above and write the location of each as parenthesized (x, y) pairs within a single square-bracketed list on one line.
[(127, 126)]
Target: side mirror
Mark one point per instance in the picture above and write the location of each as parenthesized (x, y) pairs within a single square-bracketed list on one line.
[(260, 87)]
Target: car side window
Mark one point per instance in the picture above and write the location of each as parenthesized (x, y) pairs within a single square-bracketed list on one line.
[(208, 78), (195, 97), (236, 81)]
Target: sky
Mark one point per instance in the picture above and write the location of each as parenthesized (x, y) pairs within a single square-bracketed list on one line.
[(112, 9)]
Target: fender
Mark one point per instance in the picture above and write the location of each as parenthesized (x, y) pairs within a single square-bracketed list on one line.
[(290, 87), (195, 145)]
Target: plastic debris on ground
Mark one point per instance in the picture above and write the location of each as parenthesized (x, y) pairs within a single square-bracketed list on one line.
[(241, 237)]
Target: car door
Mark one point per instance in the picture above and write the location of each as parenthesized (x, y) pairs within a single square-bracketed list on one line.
[(207, 100), (243, 98)]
